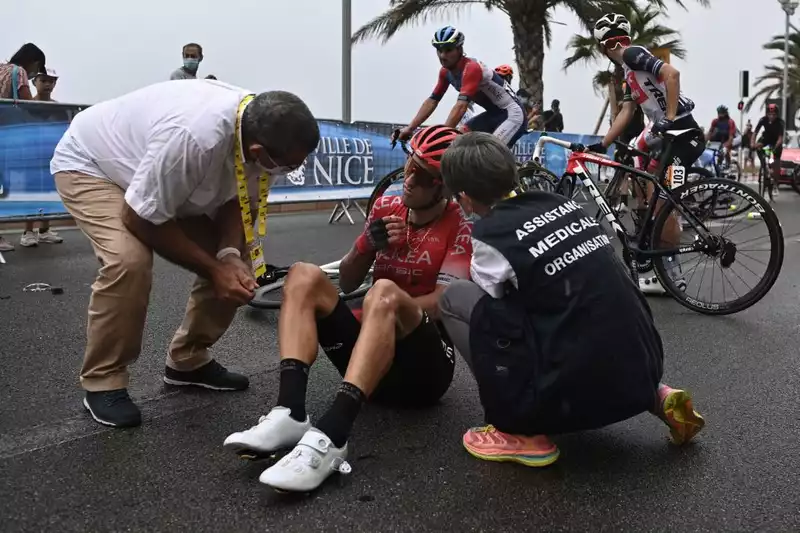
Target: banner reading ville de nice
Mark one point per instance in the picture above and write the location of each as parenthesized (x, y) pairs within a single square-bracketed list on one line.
[(347, 163)]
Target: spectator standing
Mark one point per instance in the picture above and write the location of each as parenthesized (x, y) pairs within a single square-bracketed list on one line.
[(553, 119), (535, 119), (192, 56), (44, 83), (158, 170), (14, 75)]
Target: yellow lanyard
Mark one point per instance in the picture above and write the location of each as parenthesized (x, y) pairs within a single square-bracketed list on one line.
[(253, 245)]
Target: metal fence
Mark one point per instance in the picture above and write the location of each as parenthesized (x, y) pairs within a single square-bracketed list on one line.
[(345, 166)]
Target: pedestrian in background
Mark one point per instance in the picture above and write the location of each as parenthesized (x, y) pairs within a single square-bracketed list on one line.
[(14, 75), (44, 82), (192, 57)]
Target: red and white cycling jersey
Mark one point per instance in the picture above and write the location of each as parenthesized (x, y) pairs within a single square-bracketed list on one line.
[(431, 255), (477, 83)]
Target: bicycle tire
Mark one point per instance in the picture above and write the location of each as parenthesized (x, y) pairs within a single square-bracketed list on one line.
[(270, 296), (533, 176), (382, 186), (714, 214), (776, 245)]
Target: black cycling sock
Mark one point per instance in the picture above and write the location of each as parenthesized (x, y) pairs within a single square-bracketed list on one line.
[(339, 419), (292, 389)]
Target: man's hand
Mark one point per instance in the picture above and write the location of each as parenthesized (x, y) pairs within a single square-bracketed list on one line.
[(233, 281), (405, 134), (395, 230), (380, 234), (661, 125), (597, 148)]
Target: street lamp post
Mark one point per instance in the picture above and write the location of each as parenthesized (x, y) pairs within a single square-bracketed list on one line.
[(347, 33), (789, 6)]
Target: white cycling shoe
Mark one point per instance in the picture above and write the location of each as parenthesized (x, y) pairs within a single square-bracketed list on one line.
[(274, 431), (308, 465)]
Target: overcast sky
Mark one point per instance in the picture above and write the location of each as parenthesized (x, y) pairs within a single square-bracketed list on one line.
[(102, 49)]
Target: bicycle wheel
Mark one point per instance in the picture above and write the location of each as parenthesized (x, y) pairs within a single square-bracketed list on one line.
[(384, 185), (270, 296), (716, 205), (533, 176), (724, 255)]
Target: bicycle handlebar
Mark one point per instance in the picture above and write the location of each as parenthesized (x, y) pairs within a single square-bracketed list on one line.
[(403, 144), (544, 139)]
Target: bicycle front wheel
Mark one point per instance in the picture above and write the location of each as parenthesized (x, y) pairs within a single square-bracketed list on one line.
[(270, 296), (749, 246)]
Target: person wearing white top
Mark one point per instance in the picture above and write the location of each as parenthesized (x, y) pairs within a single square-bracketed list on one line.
[(155, 171)]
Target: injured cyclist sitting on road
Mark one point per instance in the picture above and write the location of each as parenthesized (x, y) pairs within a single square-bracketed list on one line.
[(394, 352), (557, 335)]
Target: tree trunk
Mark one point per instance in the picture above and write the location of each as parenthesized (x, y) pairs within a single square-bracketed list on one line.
[(602, 116), (527, 25), (615, 93)]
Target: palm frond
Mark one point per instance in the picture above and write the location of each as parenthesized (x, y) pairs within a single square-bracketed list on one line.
[(404, 13)]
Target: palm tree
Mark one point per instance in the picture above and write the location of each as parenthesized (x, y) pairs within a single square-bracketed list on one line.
[(771, 81), (530, 25), (646, 31)]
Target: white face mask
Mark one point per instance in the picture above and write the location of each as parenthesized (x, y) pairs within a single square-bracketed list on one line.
[(274, 170)]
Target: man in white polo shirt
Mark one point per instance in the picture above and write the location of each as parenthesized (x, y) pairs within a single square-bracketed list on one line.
[(158, 170)]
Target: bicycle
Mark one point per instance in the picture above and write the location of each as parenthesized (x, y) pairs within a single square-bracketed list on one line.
[(646, 242), (732, 171), (766, 179)]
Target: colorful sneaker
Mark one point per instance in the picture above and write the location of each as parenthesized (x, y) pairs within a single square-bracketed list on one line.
[(489, 444), (677, 412)]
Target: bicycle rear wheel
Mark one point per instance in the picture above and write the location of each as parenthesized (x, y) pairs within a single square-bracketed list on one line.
[(270, 296), (726, 255), (385, 185)]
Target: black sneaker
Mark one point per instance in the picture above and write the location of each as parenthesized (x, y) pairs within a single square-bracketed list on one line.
[(211, 376), (113, 408)]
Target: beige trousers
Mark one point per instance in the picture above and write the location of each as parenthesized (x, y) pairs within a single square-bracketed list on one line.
[(121, 292)]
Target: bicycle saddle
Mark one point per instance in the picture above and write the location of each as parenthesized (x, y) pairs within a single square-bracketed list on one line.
[(630, 150), (679, 133)]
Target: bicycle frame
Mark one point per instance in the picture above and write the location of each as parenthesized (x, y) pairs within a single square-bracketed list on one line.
[(633, 244)]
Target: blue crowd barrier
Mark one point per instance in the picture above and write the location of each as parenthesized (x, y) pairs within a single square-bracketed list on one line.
[(347, 163)]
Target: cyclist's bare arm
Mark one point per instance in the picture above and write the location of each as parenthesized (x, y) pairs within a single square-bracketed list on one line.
[(428, 106), (425, 111), (620, 123), (354, 268), (672, 81), (457, 113)]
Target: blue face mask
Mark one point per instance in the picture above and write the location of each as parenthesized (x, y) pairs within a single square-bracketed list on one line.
[(191, 64)]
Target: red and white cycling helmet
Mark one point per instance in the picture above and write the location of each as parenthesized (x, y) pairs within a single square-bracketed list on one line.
[(430, 143)]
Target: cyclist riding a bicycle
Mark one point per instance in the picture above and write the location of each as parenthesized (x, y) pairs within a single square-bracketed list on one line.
[(504, 114), (655, 87), (723, 130), (506, 72), (558, 338), (774, 129), (396, 352)]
